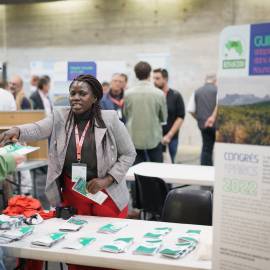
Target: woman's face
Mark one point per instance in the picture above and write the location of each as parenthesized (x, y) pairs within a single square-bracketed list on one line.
[(81, 97)]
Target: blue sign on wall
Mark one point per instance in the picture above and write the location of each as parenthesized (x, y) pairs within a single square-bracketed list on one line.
[(78, 68), (259, 62)]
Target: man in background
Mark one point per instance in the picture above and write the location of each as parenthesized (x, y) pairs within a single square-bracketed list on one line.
[(124, 81), (145, 111), (113, 100), (203, 107), (7, 101), (105, 87), (33, 83), (176, 111), (40, 98), (15, 86)]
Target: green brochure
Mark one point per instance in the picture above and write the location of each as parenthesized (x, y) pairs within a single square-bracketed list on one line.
[(18, 149), (112, 227), (15, 234), (119, 245), (149, 247), (49, 240), (79, 243)]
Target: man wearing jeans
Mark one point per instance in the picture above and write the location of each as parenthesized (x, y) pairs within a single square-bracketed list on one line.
[(203, 107), (145, 111), (176, 111)]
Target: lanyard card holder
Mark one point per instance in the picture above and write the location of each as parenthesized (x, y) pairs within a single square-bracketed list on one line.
[(78, 171)]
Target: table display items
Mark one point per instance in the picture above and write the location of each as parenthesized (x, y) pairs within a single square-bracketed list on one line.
[(148, 247), (79, 243), (49, 240), (15, 234), (119, 245), (157, 233), (72, 225), (112, 227)]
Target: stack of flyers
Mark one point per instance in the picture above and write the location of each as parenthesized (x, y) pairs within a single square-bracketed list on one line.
[(77, 221), (178, 250), (15, 234), (8, 223), (157, 233), (73, 224), (190, 236), (119, 245), (112, 227), (49, 240), (69, 227), (79, 243), (18, 149), (148, 247)]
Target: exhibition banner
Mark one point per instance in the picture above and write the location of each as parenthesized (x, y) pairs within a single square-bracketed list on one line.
[(242, 158)]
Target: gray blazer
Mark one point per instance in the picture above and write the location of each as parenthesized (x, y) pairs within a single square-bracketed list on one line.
[(118, 156)]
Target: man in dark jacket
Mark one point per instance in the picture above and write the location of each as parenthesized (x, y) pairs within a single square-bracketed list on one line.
[(40, 98), (113, 100)]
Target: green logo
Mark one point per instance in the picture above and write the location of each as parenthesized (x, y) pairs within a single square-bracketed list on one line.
[(234, 54)]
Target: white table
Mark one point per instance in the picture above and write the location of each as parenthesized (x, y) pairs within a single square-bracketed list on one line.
[(31, 165), (180, 174), (92, 256)]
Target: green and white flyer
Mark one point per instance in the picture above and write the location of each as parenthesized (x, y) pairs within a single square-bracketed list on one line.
[(80, 187), (18, 149), (242, 157)]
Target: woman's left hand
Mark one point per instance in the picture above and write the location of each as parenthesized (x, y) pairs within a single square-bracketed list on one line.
[(97, 184)]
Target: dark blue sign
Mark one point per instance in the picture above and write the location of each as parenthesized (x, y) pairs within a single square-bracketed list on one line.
[(81, 68), (259, 62)]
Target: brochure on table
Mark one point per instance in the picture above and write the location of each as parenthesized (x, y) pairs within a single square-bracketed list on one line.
[(242, 157)]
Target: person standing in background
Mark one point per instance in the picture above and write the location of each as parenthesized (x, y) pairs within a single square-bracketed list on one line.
[(176, 111), (145, 110), (113, 100), (124, 81), (40, 98), (7, 102), (22, 103), (203, 107), (105, 87), (15, 86), (33, 83)]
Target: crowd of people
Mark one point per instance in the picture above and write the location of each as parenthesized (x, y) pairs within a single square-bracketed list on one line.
[(106, 129), (153, 118), (154, 113)]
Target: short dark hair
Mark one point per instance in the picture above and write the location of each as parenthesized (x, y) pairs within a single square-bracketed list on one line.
[(105, 84), (44, 80), (142, 70), (164, 73), (124, 76)]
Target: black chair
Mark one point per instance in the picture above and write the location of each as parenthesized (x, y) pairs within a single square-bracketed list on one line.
[(151, 193), (189, 206)]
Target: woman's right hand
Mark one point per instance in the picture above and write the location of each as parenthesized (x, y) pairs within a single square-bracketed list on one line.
[(10, 135)]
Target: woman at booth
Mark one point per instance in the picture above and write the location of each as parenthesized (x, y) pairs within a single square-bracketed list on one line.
[(86, 142)]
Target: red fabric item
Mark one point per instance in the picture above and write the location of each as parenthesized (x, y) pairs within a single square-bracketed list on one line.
[(86, 207), (27, 206)]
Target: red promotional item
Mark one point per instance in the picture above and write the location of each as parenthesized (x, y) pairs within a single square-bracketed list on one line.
[(27, 206)]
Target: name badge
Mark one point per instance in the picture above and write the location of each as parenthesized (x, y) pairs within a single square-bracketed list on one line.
[(119, 112), (78, 171)]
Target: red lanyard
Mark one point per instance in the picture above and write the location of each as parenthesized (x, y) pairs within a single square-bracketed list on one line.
[(79, 141), (119, 103)]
